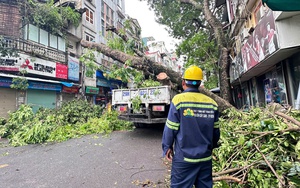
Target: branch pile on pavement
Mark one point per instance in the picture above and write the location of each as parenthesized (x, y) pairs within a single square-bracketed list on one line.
[(259, 148)]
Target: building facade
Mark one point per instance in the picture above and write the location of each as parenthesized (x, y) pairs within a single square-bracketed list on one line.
[(265, 55), (39, 57), (53, 69)]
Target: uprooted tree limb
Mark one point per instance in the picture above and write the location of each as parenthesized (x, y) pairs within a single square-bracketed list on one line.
[(141, 63)]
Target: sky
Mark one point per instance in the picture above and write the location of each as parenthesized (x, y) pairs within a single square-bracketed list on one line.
[(146, 18)]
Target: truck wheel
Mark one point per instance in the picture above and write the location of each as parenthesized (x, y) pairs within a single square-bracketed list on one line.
[(139, 125)]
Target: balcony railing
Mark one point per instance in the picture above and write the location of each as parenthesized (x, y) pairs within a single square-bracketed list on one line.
[(34, 49)]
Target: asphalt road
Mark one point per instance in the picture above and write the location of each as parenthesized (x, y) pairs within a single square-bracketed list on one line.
[(126, 159)]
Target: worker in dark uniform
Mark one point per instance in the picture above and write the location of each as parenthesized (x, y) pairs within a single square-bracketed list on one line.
[(192, 127)]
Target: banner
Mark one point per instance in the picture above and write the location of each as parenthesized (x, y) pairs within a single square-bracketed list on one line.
[(73, 69)]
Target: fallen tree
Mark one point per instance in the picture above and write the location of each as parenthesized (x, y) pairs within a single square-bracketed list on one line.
[(150, 67), (144, 64)]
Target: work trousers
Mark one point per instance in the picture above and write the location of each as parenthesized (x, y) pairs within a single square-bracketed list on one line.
[(185, 174)]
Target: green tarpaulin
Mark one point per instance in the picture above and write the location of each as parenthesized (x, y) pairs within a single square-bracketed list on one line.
[(283, 5)]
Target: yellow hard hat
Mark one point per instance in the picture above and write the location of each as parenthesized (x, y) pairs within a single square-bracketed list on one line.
[(193, 73)]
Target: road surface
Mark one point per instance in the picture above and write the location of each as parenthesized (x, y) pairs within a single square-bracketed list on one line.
[(126, 159)]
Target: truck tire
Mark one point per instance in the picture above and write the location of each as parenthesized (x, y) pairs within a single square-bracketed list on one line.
[(139, 125)]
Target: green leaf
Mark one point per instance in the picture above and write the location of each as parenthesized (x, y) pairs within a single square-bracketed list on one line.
[(249, 143), (255, 173), (241, 140), (286, 144)]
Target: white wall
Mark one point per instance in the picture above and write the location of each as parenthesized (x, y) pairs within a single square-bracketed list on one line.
[(288, 32)]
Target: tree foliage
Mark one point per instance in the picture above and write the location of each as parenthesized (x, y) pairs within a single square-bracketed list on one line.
[(74, 119), (202, 52), (50, 17), (186, 19), (182, 20)]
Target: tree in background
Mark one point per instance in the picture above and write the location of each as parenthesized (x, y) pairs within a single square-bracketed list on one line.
[(188, 20)]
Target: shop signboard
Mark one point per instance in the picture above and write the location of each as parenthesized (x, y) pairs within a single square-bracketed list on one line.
[(102, 82), (72, 89), (38, 66), (261, 43), (10, 63), (91, 90), (5, 82), (44, 86), (61, 71), (73, 69)]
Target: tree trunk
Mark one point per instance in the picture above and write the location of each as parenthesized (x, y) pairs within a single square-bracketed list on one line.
[(223, 104), (221, 41)]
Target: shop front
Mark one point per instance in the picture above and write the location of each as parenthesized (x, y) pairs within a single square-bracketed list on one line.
[(69, 93), (294, 80), (43, 95), (91, 93), (7, 97), (106, 86)]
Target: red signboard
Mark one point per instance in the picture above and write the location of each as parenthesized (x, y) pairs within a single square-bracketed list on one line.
[(61, 71), (70, 89)]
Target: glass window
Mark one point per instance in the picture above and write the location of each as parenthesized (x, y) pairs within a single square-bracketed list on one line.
[(102, 28), (61, 44), (295, 72), (89, 16), (33, 33), (44, 37), (53, 41), (89, 37), (112, 17)]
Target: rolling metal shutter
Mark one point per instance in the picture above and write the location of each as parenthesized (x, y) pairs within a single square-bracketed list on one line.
[(41, 98), (7, 101)]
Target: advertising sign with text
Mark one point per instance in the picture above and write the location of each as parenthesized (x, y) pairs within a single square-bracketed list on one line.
[(10, 63), (44, 86), (38, 66), (5, 82), (73, 89), (73, 69), (61, 71)]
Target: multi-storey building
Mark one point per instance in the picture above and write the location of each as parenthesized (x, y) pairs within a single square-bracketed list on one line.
[(158, 52), (265, 55), (98, 16), (52, 78), (52, 65)]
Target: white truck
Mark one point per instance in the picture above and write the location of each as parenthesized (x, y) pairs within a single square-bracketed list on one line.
[(143, 105)]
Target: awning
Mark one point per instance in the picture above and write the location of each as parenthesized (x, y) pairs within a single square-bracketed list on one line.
[(100, 74), (68, 84), (283, 5)]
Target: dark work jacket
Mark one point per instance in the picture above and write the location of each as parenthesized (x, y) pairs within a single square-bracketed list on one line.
[(192, 126)]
